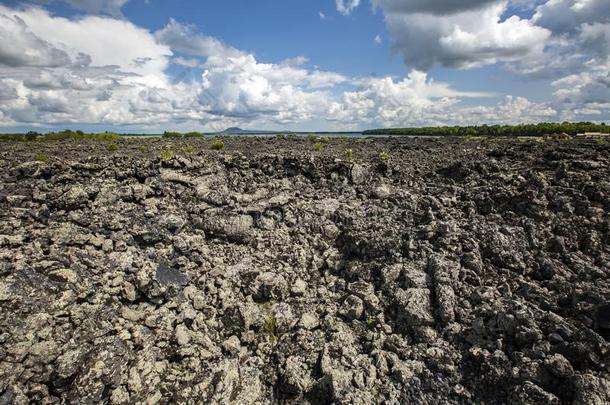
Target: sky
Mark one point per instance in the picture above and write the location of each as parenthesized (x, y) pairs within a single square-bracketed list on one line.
[(302, 65)]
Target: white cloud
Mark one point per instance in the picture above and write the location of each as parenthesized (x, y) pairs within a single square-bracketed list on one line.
[(565, 16), (586, 91), (112, 72), (465, 38), (105, 41), (378, 39), (322, 15), (346, 7), (21, 47)]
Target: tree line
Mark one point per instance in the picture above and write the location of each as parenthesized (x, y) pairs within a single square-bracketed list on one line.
[(570, 128)]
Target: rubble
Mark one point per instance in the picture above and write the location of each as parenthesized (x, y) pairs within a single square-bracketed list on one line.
[(453, 271)]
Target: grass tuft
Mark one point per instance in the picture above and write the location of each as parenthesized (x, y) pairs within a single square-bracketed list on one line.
[(217, 144), (42, 158), (166, 154)]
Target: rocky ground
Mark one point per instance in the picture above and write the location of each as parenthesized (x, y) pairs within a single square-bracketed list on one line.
[(160, 271)]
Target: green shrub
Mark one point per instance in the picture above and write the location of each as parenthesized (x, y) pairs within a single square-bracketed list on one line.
[(32, 136), (602, 141), (166, 154), (113, 147), (186, 149), (217, 144), (317, 146), (349, 154), (169, 134), (42, 158), (384, 156), (193, 135)]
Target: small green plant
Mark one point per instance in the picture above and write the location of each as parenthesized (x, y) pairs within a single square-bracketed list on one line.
[(349, 154), (280, 136), (317, 146), (142, 149), (113, 147), (42, 158), (602, 141), (166, 154), (270, 324), (217, 144), (312, 137), (384, 156), (186, 149)]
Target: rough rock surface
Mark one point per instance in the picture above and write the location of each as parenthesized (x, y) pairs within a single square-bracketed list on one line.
[(454, 272)]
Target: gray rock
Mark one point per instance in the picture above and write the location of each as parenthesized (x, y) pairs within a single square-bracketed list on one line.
[(414, 306), (352, 308)]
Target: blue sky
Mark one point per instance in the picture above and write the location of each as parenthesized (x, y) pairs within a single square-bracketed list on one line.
[(151, 65)]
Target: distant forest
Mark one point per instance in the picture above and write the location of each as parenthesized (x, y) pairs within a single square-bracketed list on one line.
[(570, 128)]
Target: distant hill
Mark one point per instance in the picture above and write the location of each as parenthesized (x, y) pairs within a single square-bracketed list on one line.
[(237, 131)]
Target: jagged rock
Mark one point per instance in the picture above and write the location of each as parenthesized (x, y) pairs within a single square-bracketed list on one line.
[(236, 228), (591, 390), (296, 378), (414, 306), (466, 271), (352, 308)]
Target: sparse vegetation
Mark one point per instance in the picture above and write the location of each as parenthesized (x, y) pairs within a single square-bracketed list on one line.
[(570, 128), (113, 147), (317, 146), (168, 134), (186, 149), (42, 158), (384, 156), (59, 136), (217, 144), (602, 141), (193, 135), (167, 154), (349, 153), (270, 325)]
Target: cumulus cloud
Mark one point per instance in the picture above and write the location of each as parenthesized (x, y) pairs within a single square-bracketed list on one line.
[(566, 16), (109, 71), (183, 38), (346, 7), (586, 92), (469, 36), (21, 47), (581, 26)]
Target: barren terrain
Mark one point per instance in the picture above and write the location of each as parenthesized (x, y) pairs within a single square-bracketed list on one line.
[(162, 271)]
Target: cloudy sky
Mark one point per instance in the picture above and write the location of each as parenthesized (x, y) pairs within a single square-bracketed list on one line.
[(154, 65)]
